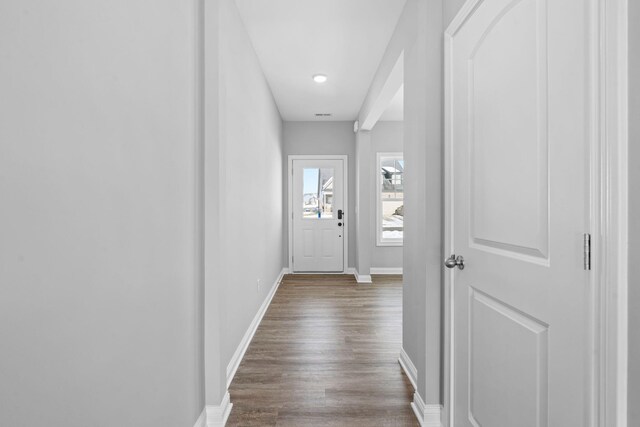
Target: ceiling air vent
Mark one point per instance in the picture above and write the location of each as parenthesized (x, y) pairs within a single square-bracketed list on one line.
[(323, 114)]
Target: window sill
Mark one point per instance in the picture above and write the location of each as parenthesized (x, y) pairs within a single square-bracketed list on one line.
[(391, 244)]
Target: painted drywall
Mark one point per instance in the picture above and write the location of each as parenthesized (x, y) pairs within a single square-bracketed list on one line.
[(634, 214), (419, 35), (99, 317), (251, 164), (423, 190), (315, 138), (450, 9), (386, 137), (403, 37), (210, 187), (414, 294), (364, 196)]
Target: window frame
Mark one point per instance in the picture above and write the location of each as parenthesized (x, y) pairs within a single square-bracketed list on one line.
[(380, 241)]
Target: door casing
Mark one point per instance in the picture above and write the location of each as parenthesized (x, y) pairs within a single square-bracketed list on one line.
[(345, 162), (608, 142)]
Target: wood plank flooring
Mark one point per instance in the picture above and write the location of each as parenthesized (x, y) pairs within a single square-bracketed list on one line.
[(326, 354)]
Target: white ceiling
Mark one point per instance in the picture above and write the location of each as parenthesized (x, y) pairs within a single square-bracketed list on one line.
[(344, 39), (395, 110)]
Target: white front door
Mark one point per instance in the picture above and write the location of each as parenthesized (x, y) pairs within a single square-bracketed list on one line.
[(318, 215), (518, 108)]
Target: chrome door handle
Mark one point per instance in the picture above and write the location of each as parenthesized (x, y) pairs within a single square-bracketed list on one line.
[(454, 261)]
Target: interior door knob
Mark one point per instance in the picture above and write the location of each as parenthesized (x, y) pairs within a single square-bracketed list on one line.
[(454, 261)]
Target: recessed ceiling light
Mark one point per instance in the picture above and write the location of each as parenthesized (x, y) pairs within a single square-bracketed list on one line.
[(319, 78)]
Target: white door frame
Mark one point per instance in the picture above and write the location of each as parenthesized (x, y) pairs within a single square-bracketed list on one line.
[(344, 158), (609, 213)]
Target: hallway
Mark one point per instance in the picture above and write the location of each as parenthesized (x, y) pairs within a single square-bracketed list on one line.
[(326, 353), (335, 213)]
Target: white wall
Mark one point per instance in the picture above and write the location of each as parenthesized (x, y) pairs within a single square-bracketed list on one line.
[(251, 164), (386, 137), (316, 138), (423, 193), (406, 44), (363, 214), (402, 38), (210, 188), (101, 163), (99, 313), (450, 10), (419, 36), (634, 214)]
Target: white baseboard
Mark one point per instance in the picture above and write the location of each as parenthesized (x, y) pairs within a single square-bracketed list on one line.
[(285, 270), (216, 416), (328, 273), (427, 415), (409, 368), (362, 278), (232, 367), (385, 270)]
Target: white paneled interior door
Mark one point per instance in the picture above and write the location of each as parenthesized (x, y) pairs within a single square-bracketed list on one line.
[(318, 215), (518, 134)]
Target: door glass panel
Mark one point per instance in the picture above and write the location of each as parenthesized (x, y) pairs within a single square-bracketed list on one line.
[(317, 198)]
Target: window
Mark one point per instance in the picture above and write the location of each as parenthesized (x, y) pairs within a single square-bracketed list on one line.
[(317, 198), (390, 200)]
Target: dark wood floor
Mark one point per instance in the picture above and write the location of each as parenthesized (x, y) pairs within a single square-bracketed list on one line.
[(326, 354)]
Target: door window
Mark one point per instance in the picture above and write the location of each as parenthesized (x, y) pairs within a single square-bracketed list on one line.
[(317, 197)]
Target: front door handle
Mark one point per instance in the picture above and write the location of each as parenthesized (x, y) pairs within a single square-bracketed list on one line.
[(454, 261), (340, 213)]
